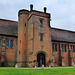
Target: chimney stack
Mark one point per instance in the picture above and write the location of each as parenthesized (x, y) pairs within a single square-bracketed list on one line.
[(31, 7), (45, 9)]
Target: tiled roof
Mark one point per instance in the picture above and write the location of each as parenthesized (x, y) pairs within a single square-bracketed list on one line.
[(8, 27), (62, 35)]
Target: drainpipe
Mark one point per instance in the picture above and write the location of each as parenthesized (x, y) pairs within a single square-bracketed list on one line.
[(69, 61), (60, 59), (16, 52)]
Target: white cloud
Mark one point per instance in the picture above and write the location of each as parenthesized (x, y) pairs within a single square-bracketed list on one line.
[(62, 11)]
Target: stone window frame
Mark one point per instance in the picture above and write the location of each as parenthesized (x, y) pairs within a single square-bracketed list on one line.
[(41, 39), (13, 43), (72, 48), (64, 47), (41, 19), (54, 47), (7, 42), (10, 43)]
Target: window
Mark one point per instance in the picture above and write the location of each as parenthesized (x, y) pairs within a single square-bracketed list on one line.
[(40, 22), (7, 43), (41, 37), (62, 46), (25, 24), (54, 47), (65, 48), (0, 42), (71, 47), (11, 43)]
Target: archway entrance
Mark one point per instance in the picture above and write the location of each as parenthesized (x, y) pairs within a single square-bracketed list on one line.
[(41, 60)]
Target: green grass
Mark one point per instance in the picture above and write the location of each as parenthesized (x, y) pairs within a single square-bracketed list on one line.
[(23, 71)]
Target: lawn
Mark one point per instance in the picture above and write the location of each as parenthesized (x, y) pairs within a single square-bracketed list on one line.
[(23, 71)]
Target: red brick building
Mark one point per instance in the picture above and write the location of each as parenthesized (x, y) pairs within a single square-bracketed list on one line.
[(32, 41)]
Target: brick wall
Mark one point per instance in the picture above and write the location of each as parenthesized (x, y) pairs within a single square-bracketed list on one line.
[(63, 58), (8, 55), (32, 44)]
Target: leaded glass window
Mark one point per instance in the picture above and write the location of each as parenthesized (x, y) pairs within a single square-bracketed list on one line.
[(11, 43), (7, 43), (55, 47)]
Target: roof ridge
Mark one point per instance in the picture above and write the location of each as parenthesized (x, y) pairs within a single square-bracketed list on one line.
[(8, 20), (63, 29)]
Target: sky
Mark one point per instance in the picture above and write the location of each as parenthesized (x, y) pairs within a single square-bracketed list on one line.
[(62, 11)]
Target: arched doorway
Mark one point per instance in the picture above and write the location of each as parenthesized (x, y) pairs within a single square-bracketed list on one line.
[(41, 60)]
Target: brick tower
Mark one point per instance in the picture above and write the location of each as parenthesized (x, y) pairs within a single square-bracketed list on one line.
[(34, 38)]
